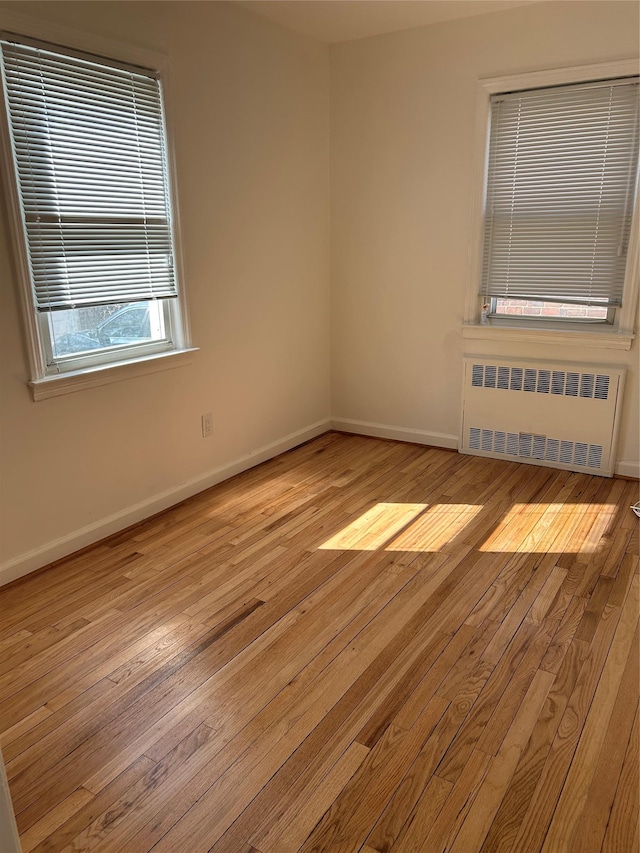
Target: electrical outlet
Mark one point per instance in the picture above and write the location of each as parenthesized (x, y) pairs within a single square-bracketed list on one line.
[(207, 424)]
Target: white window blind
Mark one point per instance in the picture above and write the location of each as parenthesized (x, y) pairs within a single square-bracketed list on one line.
[(89, 151), (562, 171)]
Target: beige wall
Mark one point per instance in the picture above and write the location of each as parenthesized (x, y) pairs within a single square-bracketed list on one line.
[(251, 140), (402, 154)]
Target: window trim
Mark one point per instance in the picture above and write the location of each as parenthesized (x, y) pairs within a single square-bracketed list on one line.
[(618, 335), (55, 385), (40, 376)]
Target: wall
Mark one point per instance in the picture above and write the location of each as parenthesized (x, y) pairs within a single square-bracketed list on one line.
[(402, 158), (251, 143), (251, 103)]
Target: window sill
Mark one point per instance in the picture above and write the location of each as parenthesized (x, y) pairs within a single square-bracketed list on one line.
[(605, 339), (78, 380)]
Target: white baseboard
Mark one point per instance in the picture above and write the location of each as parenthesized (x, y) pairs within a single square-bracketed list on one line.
[(416, 436), (65, 545), (628, 469)]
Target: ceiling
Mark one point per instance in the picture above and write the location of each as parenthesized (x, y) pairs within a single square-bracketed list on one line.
[(333, 21)]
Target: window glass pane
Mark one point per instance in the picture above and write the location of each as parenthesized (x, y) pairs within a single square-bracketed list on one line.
[(82, 330), (529, 308)]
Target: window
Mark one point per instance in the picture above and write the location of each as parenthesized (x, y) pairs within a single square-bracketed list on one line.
[(561, 178), (92, 194)]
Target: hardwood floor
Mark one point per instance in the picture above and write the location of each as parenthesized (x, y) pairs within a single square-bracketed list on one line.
[(358, 646)]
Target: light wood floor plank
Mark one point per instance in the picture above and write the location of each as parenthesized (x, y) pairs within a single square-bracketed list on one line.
[(515, 802), (288, 832), (573, 799), (624, 818), (541, 807), (476, 825)]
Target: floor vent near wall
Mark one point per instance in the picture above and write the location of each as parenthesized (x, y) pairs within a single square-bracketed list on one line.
[(560, 415)]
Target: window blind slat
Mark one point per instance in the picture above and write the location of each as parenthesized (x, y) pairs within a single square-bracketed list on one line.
[(88, 143), (562, 166)]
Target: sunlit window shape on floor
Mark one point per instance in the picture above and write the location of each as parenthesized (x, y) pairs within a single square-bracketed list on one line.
[(374, 528), (404, 527), (439, 525), (524, 528), (551, 527)]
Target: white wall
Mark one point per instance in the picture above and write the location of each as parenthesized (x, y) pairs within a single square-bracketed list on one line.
[(402, 156), (251, 134)]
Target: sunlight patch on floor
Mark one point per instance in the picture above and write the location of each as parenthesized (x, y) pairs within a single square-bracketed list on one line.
[(525, 528), (403, 527), (439, 525), (374, 528), (539, 528)]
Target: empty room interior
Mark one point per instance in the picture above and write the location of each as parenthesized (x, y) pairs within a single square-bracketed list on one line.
[(320, 426)]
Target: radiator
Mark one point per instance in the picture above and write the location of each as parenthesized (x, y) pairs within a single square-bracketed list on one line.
[(544, 413)]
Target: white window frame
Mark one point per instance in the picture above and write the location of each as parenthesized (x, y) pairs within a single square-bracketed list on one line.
[(107, 366), (617, 334)]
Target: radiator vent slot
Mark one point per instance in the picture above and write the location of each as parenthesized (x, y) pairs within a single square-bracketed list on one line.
[(544, 381), (541, 381), (587, 382), (526, 445), (513, 444), (552, 452), (595, 456), (566, 452), (477, 375), (602, 387), (530, 379), (571, 388)]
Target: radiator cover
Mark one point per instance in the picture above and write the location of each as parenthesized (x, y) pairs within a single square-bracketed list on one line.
[(556, 414)]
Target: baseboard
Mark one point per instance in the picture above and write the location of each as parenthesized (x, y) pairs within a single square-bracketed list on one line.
[(62, 547), (416, 436), (628, 469)]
